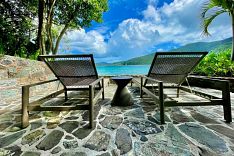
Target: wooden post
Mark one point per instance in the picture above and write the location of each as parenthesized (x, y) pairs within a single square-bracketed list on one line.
[(103, 86), (91, 94), (161, 102), (25, 102), (226, 102), (141, 91)]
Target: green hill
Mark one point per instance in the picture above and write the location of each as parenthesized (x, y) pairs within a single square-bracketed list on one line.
[(198, 46)]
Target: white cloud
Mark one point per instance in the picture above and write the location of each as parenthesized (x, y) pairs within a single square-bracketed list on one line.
[(178, 21), (84, 42), (132, 38)]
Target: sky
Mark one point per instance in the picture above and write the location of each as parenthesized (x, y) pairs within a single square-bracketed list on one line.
[(133, 28)]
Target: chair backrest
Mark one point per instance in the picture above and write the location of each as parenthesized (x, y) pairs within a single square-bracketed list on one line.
[(174, 67), (72, 70)]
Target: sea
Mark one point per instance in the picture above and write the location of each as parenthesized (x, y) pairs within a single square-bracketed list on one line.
[(123, 70)]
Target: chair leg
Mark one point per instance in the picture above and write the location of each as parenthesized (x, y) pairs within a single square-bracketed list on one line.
[(141, 91), (178, 92), (103, 94), (25, 102), (161, 102), (91, 94), (65, 93), (227, 102)]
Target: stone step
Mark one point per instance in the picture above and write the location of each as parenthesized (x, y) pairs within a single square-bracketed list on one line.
[(3, 74)]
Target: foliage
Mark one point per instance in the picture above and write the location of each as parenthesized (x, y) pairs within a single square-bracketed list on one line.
[(214, 8), (69, 14), (16, 27), (216, 64)]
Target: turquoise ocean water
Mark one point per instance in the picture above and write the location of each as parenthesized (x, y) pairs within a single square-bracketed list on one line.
[(123, 70)]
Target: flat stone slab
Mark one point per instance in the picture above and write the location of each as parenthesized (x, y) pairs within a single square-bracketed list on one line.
[(111, 122), (123, 140), (83, 132), (69, 126), (99, 141), (9, 139), (73, 154), (136, 113), (203, 119), (142, 127), (50, 140), (204, 136), (222, 130), (33, 137), (159, 148)]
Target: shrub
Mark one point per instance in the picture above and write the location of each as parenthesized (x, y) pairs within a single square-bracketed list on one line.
[(216, 64)]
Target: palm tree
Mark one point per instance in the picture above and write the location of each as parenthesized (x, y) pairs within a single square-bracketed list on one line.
[(214, 8)]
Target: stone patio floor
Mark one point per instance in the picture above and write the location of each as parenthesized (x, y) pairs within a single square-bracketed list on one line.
[(132, 130)]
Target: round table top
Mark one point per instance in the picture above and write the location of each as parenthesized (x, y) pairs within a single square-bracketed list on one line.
[(121, 78)]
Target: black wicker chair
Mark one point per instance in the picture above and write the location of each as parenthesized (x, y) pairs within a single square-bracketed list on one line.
[(75, 72), (169, 70)]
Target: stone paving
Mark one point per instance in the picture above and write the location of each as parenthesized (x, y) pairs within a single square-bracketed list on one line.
[(131, 130)]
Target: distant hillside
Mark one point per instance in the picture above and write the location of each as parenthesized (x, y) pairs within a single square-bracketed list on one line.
[(198, 46), (205, 46)]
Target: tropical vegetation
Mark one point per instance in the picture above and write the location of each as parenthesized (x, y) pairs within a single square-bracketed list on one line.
[(32, 27), (214, 8), (216, 64)]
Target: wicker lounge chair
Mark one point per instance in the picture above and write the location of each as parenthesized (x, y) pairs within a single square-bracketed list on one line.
[(75, 72), (169, 70)]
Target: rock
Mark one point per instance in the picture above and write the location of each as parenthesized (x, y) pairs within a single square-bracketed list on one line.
[(222, 130), (142, 127), (85, 115), (157, 117), (7, 140), (72, 118), (14, 150), (56, 150), (99, 141), (178, 117), (51, 113), (136, 113), (159, 148), (204, 136), (50, 140), (4, 125), (203, 119), (28, 153), (31, 138), (105, 154), (35, 125), (70, 144), (111, 122), (83, 132), (112, 110), (53, 123), (68, 137), (123, 140), (73, 154), (143, 138), (173, 134), (69, 126)]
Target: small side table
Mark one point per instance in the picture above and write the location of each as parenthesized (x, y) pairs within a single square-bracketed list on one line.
[(122, 96)]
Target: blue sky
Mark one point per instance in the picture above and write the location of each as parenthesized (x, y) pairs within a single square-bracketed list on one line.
[(133, 28)]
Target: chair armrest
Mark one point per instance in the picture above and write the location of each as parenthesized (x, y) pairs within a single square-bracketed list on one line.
[(96, 82), (151, 79), (40, 83)]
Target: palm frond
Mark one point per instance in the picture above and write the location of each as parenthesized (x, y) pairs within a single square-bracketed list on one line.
[(209, 19)]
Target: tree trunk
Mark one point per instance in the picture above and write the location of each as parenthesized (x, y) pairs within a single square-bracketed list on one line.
[(232, 55), (59, 38), (41, 6)]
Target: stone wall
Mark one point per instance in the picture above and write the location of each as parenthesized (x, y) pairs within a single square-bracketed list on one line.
[(16, 72)]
